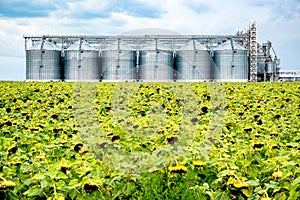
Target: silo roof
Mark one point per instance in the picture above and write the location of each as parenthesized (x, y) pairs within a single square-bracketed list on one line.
[(152, 47), (193, 45), (151, 31), (47, 46), (227, 46), (84, 46), (116, 46)]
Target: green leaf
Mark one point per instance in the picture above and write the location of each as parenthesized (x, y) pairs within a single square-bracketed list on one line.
[(12, 196), (51, 173), (73, 194), (61, 175), (60, 184), (38, 176), (258, 190), (33, 191), (222, 196), (74, 184), (29, 181), (44, 183), (82, 171), (272, 185), (253, 182)]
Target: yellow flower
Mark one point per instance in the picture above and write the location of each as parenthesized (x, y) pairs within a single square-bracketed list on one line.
[(12, 149), (177, 169), (265, 198), (56, 198), (277, 175), (240, 184), (199, 163), (7, 184)]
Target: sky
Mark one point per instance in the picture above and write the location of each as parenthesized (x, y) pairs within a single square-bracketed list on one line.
[(278, 22)]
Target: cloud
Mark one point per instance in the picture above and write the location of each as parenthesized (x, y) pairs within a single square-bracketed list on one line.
[(84, 9), (90, 9), (198, 6), (288, 11), (30, 9)]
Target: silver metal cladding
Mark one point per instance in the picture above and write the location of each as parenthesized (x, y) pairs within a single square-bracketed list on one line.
[(193, 62), (156, 63), (231, 62), (43, 62), (118, 63), (81, 62)]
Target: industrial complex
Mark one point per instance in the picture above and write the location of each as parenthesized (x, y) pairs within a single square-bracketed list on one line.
[(149, 56)]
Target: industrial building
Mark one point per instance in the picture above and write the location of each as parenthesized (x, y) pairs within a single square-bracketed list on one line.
[(289, 75), (151, 57)]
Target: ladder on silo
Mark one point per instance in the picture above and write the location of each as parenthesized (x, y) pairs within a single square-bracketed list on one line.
[(253, 51)]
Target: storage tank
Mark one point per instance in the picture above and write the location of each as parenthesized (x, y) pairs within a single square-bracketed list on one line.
[(231, 62), (43, 62), (270, 67), (260, 66), (118, 62), (81, 62), (156, 63), (193, 62)]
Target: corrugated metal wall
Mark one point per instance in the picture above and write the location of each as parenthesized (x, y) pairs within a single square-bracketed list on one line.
[(231, 63), (118, 65), (156, 65), (81, 62), (152, 62), (43, 65), (193, 62)]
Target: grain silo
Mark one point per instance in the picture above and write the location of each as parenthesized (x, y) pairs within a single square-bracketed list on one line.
[(231, 62), (193, 62), (270, 67), (153, 55), (81, 62), (260, 66), (156, 63), (118, 62), (43, 62)]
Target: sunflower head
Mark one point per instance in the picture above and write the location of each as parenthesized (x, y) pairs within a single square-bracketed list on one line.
[(172, 139), (90, 186), (238, 183), (12, 149), (258, 145), (277, 175), (199, 163), (5, 184), (180, 169)]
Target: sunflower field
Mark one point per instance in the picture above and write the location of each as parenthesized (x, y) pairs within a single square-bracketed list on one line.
[(61, 140)]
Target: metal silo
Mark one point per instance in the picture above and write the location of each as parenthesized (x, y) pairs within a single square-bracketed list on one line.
[(81, 62), (43, 62), (270, 67), (193, 62), (231, 62), (118, 62), (156, 63), (260, 66)]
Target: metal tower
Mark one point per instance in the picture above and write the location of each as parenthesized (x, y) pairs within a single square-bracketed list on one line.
[(253, 51)]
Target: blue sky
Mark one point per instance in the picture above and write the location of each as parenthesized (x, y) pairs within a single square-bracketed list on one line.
[(278, 21)]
